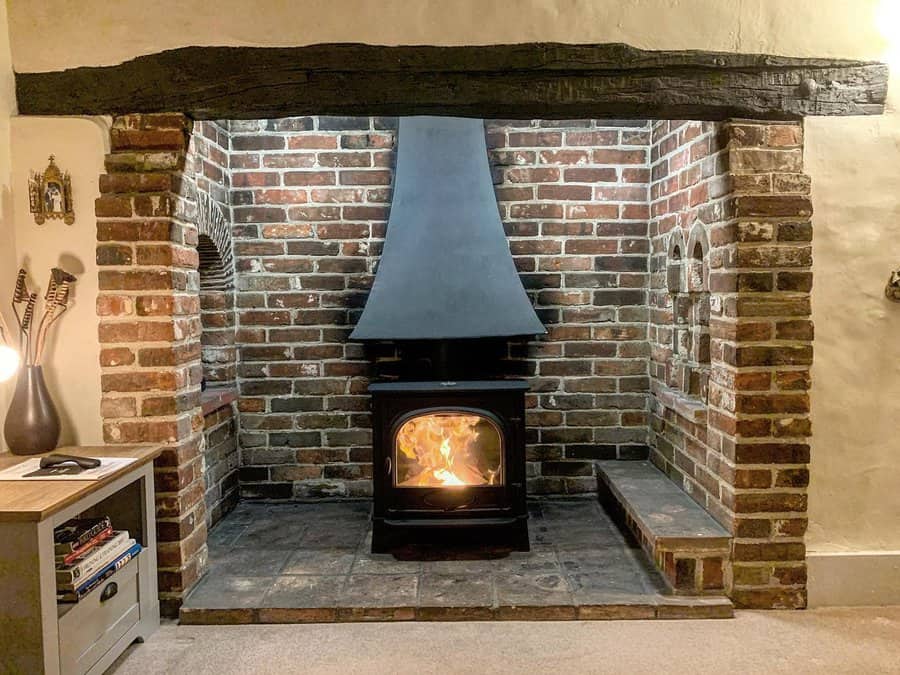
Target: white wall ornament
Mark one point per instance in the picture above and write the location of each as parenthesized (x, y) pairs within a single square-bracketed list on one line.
[(50, 195)]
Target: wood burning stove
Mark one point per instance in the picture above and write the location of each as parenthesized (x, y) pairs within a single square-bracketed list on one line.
[(449, 455), (449, 452)]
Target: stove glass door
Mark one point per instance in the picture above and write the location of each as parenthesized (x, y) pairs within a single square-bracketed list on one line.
[(448, 449)]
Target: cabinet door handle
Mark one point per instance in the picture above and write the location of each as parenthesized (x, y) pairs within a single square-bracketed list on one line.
[(109, 591)]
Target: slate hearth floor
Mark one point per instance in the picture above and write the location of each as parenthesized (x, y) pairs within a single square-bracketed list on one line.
[(273, 563)]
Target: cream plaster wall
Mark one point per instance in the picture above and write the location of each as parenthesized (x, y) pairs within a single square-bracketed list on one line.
[(7, 238), (854, 162), (855, 490), (71, 362), (94, 33)]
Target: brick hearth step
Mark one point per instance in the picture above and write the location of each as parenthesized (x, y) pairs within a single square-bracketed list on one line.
[(686, 543)]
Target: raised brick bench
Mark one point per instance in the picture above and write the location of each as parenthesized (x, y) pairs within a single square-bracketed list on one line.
[(689, 547)]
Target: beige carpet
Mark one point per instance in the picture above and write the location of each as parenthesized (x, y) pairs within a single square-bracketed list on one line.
[(821, 641)]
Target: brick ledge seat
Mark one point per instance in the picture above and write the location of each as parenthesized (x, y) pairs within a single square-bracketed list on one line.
[(689, 547)]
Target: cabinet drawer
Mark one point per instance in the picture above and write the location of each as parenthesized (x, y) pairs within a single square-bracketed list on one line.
[(89, 628)]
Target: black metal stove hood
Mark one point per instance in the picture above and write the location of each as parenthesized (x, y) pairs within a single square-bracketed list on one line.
[(446, 271)]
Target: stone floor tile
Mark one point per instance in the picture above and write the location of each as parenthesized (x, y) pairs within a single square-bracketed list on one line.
[(224, 534), (595, 588), (558, 509), (313, 562), (249, 562), (384, 563), (319, 561), (320, 536), (304, 591), (228, 592), (532, 589), (379, 590), (586, 561), (456, 567), (535, 510), (583, 540), (455, 590), (271, 534), (534, 562)]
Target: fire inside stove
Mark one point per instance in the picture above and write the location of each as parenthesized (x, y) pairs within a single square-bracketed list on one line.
[(448, 449)]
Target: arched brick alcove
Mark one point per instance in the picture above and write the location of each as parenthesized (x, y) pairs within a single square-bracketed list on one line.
[(216, 288)]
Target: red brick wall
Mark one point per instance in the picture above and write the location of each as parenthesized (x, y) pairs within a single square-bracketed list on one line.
[(221, 460), (150, 330), (310, 200), (573, 199), (205, 191), (766, 337), (741, 451), (689, 193)]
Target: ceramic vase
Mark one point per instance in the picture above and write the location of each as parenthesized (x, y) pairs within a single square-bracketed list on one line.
[(32, 423)]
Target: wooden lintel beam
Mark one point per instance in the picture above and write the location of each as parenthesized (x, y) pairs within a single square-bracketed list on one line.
[(499, 81)]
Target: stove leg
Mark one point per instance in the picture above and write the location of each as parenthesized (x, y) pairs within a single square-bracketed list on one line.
[(520, 540), (381, 537)]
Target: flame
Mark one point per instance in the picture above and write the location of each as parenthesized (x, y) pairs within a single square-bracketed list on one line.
[(442, 450)]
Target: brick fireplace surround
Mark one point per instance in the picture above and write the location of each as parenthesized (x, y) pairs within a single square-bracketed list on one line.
[(670, 261)]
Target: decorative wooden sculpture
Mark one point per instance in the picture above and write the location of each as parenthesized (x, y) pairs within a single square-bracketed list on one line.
[(50, 195)]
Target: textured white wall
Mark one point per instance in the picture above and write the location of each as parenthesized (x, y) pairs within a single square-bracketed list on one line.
[(854, 163), (7, 235), (71, 362)]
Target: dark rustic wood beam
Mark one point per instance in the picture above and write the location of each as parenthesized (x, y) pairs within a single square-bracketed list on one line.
[(507, 81)]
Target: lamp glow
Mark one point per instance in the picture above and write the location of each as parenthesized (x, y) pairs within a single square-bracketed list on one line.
[(9, 362), (887, 20)]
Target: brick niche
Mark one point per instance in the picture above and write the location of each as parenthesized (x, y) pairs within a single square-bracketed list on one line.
[(310, 200), (669, 261)]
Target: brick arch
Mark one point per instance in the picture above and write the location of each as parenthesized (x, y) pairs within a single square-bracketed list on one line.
[(675, 255), (214, 245), (697, 266), (216, 291)]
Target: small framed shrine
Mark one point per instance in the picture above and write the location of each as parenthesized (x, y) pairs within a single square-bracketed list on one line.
[(50, 195)]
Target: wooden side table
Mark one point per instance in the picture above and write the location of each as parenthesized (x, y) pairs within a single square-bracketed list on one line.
[(37, 634)]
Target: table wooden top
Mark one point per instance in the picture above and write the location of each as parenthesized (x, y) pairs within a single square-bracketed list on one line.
[(33, 500)]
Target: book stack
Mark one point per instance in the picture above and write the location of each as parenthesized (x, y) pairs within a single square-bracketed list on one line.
[(88, 551)]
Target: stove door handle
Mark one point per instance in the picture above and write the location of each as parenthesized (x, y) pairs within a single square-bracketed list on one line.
[(387, 465)]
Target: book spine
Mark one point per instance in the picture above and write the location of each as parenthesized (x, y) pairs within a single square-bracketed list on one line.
[(98, 557), (78, 583), (70, 557), (92, 583), (76, 595), (83, 538), (111, 567)]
